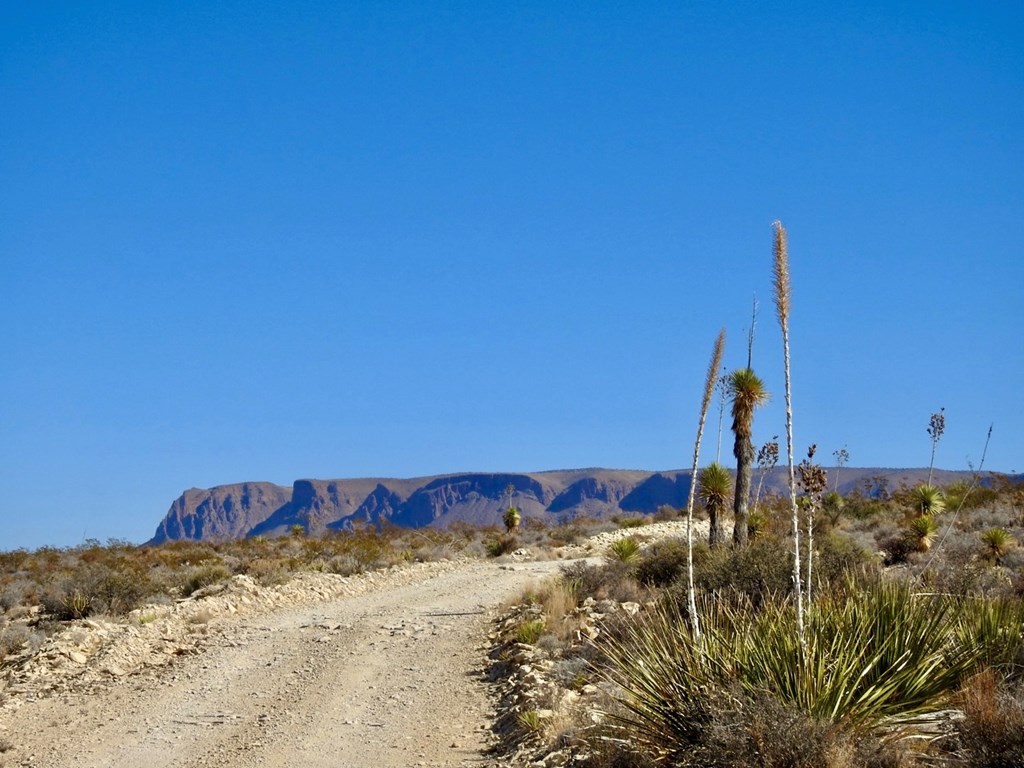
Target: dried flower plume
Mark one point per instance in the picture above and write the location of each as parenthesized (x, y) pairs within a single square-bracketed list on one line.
[(713, 368), (781, 274)]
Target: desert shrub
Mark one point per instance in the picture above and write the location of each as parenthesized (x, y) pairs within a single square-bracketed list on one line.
[(114, 585), (120, 592), (665, 561), (270, 570), (612, 581), (18, 593), (840, 557), (991, 734), (966, 496), (64, 601), (668, 513), (343, 565), (502, 545), (13, 638), (897, 548), (203, 576), (632, 522), (179, 554), (760, 571), (573, 672)]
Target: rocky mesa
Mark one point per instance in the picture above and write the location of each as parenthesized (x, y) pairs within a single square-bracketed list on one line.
[(479, 498)]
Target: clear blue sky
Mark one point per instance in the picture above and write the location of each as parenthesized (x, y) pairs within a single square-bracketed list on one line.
[(245, 241)]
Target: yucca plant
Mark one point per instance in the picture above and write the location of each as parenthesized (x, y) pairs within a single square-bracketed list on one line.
[(715, 484), (998, 542), (511, 520), (748, 393), (928, 500), (922, 532), (625, 550)]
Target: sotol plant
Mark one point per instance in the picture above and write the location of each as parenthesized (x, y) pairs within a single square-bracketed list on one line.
[(877, 658)]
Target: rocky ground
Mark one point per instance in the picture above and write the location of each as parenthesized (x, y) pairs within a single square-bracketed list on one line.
[(382, 669)]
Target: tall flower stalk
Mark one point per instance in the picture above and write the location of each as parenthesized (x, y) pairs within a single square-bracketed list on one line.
[(936, 426), (782, 307), (709, 388)]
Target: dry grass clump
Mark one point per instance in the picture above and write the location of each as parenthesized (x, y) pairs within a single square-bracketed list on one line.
[(991, 734)]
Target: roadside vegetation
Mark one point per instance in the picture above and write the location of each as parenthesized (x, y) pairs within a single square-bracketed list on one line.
[(912, 655), (43, 591), (869, 627)]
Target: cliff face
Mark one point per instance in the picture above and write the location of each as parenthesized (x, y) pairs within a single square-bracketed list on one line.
[(252, 509), (223, 512)]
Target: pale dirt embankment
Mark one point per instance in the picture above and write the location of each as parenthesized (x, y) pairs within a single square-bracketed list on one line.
[(378, 670)]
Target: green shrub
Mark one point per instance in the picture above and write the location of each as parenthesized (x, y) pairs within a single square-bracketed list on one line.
[(530, 720), (528, 632), (502, 545), (760, 571), (840, 558), (664, 562)]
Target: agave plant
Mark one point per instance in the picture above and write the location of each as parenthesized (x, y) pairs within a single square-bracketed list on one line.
[(922, 531), (928, 500), (715, 484), (998, 542)]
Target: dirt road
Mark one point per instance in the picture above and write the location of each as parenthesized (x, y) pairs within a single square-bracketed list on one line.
[(392, 677)]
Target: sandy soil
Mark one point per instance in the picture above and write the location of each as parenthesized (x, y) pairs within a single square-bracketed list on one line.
[(392, 677)]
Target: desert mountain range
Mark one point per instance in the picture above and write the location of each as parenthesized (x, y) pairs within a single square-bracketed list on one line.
[(259, 508)]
